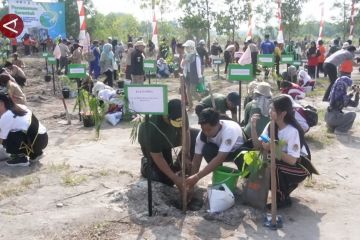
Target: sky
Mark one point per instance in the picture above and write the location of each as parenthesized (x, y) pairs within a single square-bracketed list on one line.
[(311, 10)]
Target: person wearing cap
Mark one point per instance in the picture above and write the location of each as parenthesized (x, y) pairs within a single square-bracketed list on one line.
[(312, 55), (203, 54), (12, 89), (259, 105), (137, 60), (333, 62), (107, 62), (16, 72), (64, 55), (222, 104), (218, 141), (191, 64), (21, 133), (215, 51), (16, 61), (157, 139), (290, 75)]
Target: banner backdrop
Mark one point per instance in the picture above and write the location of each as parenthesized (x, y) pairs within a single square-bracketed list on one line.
[(40, 18)]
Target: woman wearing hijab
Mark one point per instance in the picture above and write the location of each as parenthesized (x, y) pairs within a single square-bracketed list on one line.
[(336, 120), (21, 133), (107, 63), (312, 56), (259, 105)]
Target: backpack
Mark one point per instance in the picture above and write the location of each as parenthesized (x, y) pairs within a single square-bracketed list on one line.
[(90, 56), (310, 114)]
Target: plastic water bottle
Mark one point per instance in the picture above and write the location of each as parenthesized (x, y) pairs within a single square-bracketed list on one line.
[(264, 138)]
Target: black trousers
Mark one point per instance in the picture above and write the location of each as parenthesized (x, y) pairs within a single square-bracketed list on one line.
[(227, 58), (15, 144), (14, 49), (148, 164), (109, 78), (320, 69), (311, 71), (254, 62), (331, 71), (288, 177)]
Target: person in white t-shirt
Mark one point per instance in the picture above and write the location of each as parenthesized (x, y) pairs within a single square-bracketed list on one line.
[(289, 172), (21, 134), (218, 141)]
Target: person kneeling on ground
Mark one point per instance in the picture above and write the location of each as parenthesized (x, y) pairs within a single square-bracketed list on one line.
[(163, 69), (260, 105), (17, 61), (292, 89), (157, 138), (218, 141), (17, 73), (289, 170), (21, 133), (290, 75), (222, 104), (12, 89), (304, 79), (336, 120)]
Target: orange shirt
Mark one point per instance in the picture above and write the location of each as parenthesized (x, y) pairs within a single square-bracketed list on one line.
[(322, 51), (346, 66)]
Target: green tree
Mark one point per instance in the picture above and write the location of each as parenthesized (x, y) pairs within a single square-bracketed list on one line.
[(342, 18), (198, 13), (290, 12), (228, 21)]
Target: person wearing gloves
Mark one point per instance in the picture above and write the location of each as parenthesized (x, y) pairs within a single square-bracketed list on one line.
[(336, 120), (191, 64), (21, 133)]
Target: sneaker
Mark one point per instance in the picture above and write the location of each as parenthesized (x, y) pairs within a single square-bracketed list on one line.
[(337, 132), (36, 158), (18, 162)]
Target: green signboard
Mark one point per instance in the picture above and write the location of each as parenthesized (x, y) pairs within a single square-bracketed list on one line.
[(45, 54), (266, 60), (147, 99), (76, 71), (150, 66), (217, 61), (287, 59), (51, 59), (237, 72), (297, 63)]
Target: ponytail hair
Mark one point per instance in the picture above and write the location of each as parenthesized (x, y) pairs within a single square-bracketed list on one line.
[(284, 104), (10, 105)]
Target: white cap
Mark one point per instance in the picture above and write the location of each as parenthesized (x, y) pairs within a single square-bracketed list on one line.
[(202, 42), (189, 43)]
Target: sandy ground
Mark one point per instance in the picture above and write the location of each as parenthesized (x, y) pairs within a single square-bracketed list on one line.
[(88, 189)]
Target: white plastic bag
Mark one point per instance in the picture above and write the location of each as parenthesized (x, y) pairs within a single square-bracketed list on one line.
[(220, 198), (113, 118)]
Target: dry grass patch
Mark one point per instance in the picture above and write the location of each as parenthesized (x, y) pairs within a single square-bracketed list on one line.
[(15, 189), (71, 180)]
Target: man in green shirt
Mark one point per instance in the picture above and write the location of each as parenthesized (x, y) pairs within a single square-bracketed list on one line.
[(157, 139), (222, 104)]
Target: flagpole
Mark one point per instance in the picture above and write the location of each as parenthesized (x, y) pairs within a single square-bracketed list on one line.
[(280, 37), (321, 21), (352, 20)]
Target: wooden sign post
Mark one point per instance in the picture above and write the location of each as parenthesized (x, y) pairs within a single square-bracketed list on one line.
[(240, 73), (217, 62), (147, 99), (78, 72), (52, 60), (45, 55)]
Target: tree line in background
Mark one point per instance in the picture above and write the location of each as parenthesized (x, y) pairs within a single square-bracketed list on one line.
[(202, 19)]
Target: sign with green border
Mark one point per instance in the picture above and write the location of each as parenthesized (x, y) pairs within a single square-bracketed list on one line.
[(237, 72), (51, 59), (297, 63), (149, 66), (45, 54), (147, 99), (266, 60), (217, 61), (76, 71), (287, 59)]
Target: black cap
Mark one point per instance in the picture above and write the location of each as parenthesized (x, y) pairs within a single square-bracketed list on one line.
[(174, 109), (234, 98)]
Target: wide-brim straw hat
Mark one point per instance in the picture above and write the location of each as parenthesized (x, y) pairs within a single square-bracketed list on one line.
[(140, 43), (263, 89)]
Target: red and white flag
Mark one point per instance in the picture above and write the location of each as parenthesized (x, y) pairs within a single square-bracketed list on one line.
[(154, 38), (249, 33), (280, 37), (352, 20), (84, 39), (321, 21)]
